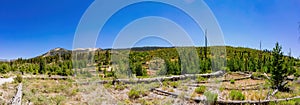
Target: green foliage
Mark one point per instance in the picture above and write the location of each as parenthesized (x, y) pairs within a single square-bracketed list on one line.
[(107, 57), (200, 89), (120, 86), (279, 72), (258, 75), (110, 74), (58, 99), (145, 102), (290, 66), (4, 68), (290, 102), (222, 88), (236, 95), (238, 59), (200, 79), (18, 79), (108, 85), (84, 73), (166, 83), (174, 84), (211, 97), (232, 81), (42, 66), (133, 94), (297, 73), (137, 68), (173, 68)]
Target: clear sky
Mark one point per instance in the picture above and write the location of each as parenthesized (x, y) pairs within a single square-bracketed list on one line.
[(32, 27)]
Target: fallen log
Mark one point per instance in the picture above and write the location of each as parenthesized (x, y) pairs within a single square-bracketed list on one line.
[(156, 79), (48, 78), (265, 74), (257, 87), (17, 99), (227, 80), (256, 102), (226, 102)]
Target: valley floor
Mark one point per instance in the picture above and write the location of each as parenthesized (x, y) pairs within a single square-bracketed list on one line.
[(69, 91)]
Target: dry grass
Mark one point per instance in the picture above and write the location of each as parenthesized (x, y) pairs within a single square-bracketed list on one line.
[(7, 91), (294, 91), (233, 76), (42, 92), (243, 83)]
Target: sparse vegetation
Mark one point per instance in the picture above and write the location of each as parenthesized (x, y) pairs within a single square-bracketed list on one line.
[(236, 95), (257, 75), (232, 81), (210, 96), (174, 84), (120, 86), (201, 79), (200, 89), (133, 94), (18, 79), (238, 59), (221, 88)]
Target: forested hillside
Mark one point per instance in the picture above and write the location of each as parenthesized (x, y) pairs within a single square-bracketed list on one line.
[(59, 61)]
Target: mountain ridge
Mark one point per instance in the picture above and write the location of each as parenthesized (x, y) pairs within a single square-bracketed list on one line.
[(61, 51)]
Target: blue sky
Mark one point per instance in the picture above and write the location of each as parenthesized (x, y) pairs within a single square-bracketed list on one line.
[(32, 27)]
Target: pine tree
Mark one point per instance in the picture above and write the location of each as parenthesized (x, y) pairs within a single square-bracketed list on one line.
[(4, 68), (107, 57), (139, 69), (42, 66), (279, 73)]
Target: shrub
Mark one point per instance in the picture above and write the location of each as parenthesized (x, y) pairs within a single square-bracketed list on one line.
[(5, 76), (174, 84), (120, 87), (193, 95), (171, 90), (232, 81), (200, 89), (200, 79), (107, 86), (297, 73), (257, 74), (165, 83), (109, 74), (34, 91), (144, 92), (74, 92), (210, 96), (154, 85), (236, 95), (164, 88), (133, 94), (143, 102), (290, 102), (18, 79), (185, 88), (222, 88), (58, 99)]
